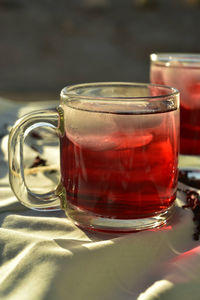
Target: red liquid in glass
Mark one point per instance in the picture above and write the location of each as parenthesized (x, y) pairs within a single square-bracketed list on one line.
[(187, 81), (126, 174)]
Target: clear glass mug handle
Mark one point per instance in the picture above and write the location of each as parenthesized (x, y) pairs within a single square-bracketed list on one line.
[(47, 201)]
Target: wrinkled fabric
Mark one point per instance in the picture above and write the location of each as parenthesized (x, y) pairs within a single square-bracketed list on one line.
[(44, 256)]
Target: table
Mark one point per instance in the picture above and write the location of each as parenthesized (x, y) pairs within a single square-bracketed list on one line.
[(45, 257)]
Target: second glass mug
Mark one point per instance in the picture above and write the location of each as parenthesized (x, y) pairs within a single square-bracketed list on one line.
[(119, 146), (182, 71)]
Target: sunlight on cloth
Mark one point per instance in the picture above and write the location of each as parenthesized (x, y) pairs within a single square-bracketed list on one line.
[(156, 290)]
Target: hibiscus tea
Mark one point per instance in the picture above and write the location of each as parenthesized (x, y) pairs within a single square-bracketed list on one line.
[(120, 165)]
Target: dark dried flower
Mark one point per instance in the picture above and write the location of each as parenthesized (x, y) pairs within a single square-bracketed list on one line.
[(34, 134), (38, 161), (193, 202), (34, 148)]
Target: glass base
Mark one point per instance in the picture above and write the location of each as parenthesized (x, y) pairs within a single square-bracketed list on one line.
[(89, 221)]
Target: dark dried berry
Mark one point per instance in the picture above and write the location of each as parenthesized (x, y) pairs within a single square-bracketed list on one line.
[(196, 236), (38, 161), (196, 212), (36, 135), (52, 171), (193, 202), (192, 198), (34, 148)]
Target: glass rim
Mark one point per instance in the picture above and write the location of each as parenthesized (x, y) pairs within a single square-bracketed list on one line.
[(69, 91), (165, 58)]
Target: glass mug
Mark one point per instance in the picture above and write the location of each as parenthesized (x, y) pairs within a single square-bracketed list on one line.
[(119, 147), (182, 71)]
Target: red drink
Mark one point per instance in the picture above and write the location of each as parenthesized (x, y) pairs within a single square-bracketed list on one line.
[(186, 78), (120, 166)]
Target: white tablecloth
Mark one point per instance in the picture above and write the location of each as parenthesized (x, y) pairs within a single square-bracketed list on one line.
[(44, 256)]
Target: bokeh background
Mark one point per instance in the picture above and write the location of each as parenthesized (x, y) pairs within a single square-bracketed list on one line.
[(47, 44)]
